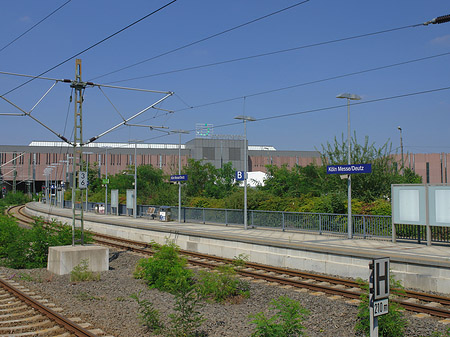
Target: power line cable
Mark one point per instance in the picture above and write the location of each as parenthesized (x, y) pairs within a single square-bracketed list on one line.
[(313, 110), (325, 108), (34, 26), (311, 82), (269, 53), (204, 39), (92, 46)]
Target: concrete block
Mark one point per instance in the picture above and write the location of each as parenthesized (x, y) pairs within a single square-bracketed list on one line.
[(62, 259)]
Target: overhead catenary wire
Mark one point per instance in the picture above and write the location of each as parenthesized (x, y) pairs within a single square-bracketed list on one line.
[(269, 53), (292, 114), (286, 115), (34, 26), (203, 39), (92, 46), (189, 107)]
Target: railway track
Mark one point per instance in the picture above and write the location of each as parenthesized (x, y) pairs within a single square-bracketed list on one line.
[(419, 302), (23, 315)]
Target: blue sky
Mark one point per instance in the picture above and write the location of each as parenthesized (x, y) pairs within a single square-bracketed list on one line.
[(424, 118)]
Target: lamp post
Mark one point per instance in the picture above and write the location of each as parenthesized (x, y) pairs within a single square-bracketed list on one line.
[(245, 119), (401, 146), (179, 170), (349, 97)]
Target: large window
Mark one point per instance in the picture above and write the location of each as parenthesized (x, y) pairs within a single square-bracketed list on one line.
[(234, 153), (209, 153)]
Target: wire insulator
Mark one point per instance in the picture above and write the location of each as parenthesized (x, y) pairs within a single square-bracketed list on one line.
[(442, 19)]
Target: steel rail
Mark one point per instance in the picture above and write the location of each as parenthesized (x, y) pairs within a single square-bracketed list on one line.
[(53, 315), (415, 307)]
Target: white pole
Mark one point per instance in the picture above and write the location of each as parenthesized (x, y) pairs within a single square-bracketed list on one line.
[(179, 183), (349, 181), (245, 174)]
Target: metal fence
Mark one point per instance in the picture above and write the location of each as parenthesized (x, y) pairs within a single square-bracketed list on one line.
[(364, 226)]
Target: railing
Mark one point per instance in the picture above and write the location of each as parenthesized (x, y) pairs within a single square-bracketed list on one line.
[(364, 226)]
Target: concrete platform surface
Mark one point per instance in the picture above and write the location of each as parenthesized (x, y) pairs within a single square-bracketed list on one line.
[(417, 265)]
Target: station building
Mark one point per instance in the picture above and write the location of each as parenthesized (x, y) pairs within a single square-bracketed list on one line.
[(28, 167)]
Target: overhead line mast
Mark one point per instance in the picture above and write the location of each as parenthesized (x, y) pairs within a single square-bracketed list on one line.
[(77, 160)]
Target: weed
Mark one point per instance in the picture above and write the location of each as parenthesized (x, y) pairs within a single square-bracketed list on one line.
[(391, 324), (441, 334), (81, 272), (187, 318), (240, 260), (148, 315), (83, 296), (287, 320)]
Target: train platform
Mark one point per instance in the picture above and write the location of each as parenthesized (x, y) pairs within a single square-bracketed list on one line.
[(418, 266)]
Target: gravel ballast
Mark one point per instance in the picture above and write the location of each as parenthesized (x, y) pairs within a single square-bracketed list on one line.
[(107, 305)]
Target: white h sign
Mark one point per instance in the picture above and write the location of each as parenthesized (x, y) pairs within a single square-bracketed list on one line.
[(381, 278)]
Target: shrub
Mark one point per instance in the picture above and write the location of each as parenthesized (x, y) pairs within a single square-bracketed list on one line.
[(392, 324), (287, 320), (222, 284), (17, 198), (28, 248), (165, 270)]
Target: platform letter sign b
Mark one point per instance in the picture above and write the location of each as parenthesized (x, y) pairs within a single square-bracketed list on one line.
[(381, 278), (239, 175)]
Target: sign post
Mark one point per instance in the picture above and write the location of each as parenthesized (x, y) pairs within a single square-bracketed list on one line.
[(378, 292)]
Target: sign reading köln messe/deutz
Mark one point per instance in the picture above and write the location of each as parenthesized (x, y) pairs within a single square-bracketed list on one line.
[(349, 169)]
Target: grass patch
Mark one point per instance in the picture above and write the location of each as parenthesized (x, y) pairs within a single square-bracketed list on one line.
[(82, 273)]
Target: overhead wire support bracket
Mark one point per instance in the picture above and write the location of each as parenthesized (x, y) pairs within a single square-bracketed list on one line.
[(28, 114), (129, 119)]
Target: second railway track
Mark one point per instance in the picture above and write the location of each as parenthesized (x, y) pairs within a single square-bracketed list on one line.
[(419, 302)]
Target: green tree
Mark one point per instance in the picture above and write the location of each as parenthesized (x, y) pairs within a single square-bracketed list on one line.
[(366, 187), (295, 182), (206, 180)]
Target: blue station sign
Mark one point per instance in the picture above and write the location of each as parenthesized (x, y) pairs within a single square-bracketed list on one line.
[(179, 177), (239, 175), (349, 169)]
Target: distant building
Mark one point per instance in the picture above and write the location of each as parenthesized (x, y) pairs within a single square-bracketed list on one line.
[(24, 166)]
